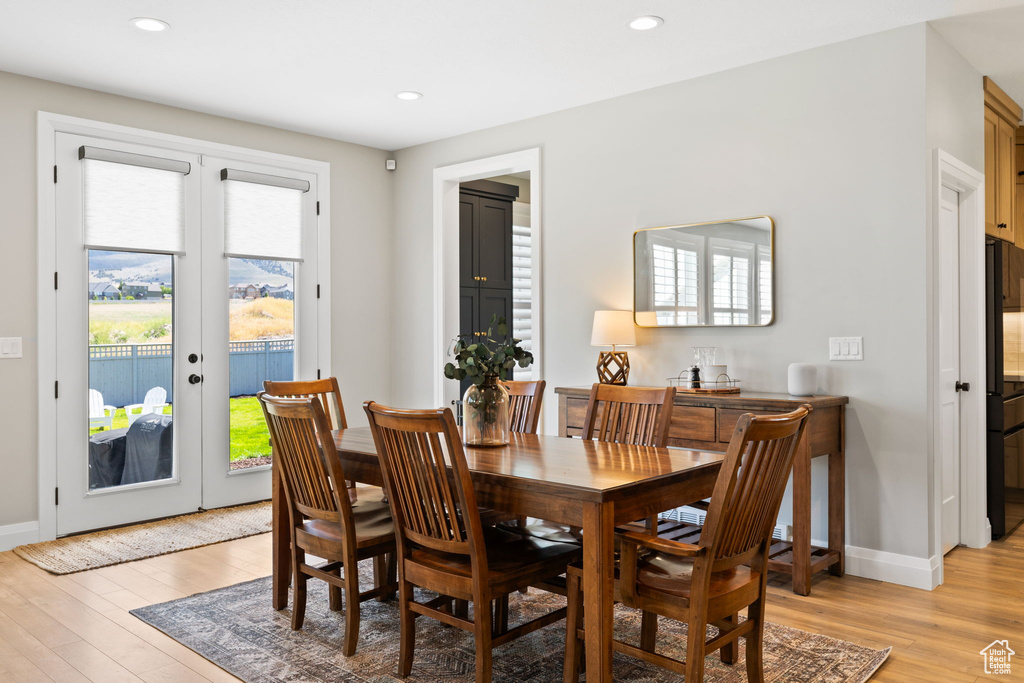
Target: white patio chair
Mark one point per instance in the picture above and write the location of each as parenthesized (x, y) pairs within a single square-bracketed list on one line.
[(99, 415), (153, 403)]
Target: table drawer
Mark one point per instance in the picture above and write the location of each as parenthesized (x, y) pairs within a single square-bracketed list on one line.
[(690, 423), (728, 417)]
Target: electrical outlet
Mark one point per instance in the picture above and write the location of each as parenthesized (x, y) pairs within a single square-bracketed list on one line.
[(10, 347), (846, 348)]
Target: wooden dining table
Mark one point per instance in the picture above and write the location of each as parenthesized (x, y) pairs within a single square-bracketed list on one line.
[(589, 484)]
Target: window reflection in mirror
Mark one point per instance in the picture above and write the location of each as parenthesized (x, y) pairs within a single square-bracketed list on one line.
[(704, 274)]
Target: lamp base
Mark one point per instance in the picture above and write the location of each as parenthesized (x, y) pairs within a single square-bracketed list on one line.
[(613, 367)]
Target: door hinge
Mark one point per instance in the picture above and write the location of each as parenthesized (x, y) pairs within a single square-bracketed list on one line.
[(318, 208), (56, 496), (318, 373), (318, 291), (55, 174), (55, 279), (56, 392)]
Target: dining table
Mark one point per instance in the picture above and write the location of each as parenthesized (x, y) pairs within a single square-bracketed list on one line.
[(588, 484)]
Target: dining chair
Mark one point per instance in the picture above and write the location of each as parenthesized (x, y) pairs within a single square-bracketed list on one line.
[(711, 581), (443, 546), (323, 520), (525, 399), (325, 390), (638, 416)]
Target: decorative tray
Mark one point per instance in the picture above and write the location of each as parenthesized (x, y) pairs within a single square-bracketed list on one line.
[(723, 385)]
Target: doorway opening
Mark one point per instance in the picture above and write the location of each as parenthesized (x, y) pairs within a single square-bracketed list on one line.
[(521, 169)]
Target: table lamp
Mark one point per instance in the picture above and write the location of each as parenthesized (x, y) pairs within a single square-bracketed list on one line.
[(613, 328)]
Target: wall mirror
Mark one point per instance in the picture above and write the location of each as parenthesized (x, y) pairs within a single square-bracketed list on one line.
[(705, 274)]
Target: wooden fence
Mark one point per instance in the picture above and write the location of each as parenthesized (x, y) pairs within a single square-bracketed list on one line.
[(123, 373)]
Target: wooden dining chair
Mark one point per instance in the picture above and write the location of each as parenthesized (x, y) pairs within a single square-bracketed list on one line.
[(325, 390), (443, 545), (323, 520), (711, 581), (525, 401), (638, 416)]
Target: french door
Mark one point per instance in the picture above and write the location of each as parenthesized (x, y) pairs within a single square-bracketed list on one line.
[(183, 281)]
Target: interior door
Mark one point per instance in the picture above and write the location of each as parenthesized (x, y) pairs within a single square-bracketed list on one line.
[(949, 365), (128, 277)]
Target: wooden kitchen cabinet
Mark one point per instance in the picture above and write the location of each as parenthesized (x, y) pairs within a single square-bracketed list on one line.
[(1002, 117)]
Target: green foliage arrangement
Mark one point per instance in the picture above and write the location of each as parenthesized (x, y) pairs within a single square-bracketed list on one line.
[(496, 354)]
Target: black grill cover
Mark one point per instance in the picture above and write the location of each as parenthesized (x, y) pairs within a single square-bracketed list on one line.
[(106, 458), (149, 454)]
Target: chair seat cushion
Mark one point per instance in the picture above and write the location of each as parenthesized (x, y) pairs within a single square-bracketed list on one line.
[(507, 554), (549, 531), (373, 524), (673, 576)]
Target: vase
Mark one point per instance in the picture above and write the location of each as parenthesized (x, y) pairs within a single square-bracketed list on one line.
[(485, 414), (803, 379)]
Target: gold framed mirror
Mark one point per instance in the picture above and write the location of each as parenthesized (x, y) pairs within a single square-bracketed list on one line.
[(713, 274)]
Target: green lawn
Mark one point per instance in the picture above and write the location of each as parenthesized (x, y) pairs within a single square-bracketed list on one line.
[(249, 438)]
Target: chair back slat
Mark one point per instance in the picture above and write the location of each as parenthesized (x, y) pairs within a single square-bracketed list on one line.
[(427, 478), (639, 416), (325, 390), (524, 405), (750, 486), (304, 451)]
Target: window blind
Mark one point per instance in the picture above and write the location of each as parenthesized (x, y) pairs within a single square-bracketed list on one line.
[(522, 282), (131, 206), (262, 220), (732, 267)]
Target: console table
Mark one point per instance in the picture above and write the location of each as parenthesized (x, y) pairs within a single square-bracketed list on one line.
[(706, 422)]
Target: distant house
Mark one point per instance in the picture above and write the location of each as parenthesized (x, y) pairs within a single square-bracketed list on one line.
[(283, 292), (104, 291), (244, 292), (142, 290)]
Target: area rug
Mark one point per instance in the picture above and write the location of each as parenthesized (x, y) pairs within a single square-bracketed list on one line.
[(139, 541), (236, 629)]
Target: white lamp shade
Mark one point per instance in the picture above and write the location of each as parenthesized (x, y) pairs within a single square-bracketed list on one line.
[(613, 328)]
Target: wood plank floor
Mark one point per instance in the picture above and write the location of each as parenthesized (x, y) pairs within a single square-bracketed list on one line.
[(77, 627)]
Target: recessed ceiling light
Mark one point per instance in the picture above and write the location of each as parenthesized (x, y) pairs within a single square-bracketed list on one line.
[(408, 95), (647, 22), (148, 24)]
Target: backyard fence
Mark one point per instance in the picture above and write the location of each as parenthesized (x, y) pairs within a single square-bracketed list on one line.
[(123, 373)]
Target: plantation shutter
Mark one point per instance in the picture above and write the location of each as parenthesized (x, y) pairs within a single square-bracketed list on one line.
[(133, 202), (522, 278), (262, 215)]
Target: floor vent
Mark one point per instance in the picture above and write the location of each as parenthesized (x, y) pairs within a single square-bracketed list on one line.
[(783, 532)]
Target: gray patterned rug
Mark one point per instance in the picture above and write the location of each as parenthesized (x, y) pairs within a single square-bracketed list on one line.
[(236, 628)]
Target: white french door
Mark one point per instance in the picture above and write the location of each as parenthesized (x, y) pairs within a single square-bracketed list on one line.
[(252, 213), (183, 281)]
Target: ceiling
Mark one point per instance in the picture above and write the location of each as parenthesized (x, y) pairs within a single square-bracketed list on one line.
[(332, 67), (993, 42)]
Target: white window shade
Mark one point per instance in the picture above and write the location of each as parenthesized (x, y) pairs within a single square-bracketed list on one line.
[(133, 208), (262, 221)]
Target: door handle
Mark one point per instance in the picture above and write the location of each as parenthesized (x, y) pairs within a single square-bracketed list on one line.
[(1001, 225), (962, 386), (193, 358), (196, 379)]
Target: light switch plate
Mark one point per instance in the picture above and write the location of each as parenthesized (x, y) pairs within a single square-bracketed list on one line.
[(10, 347), (846, 348)]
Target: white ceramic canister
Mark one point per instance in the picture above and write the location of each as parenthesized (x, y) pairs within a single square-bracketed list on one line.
[(803, 379)]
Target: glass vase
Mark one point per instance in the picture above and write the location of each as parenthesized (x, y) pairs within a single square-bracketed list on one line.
[(485, 414)]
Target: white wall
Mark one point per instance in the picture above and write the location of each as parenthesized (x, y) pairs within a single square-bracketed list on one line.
[(361, 248), (831, 143)]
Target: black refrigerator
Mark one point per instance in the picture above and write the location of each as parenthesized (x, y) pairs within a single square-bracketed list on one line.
[(1004, 384)]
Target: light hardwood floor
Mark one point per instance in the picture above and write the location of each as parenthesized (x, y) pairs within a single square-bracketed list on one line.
[(77, 627)]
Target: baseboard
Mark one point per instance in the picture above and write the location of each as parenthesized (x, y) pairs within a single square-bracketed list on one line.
[(14, 535), (916, 572)]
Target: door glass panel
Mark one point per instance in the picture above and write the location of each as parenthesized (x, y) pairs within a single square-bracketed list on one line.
[(131, 367), (261, 346)]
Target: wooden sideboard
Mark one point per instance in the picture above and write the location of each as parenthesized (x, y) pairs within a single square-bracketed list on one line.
[(706, 422)]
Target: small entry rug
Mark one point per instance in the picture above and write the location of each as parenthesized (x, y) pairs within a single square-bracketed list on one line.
[(139, 541), (237, 629)]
